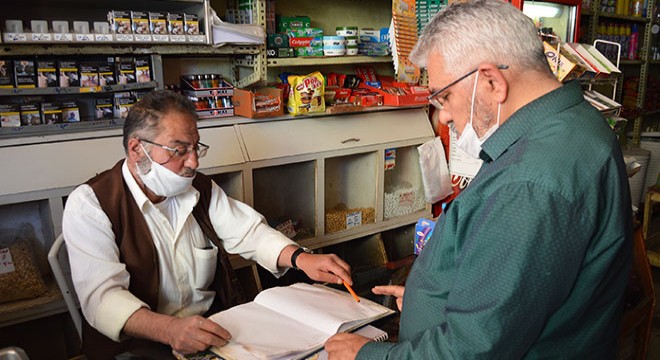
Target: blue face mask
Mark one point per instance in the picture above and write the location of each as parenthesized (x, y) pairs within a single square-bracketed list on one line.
[(162, 181), (469, 141)]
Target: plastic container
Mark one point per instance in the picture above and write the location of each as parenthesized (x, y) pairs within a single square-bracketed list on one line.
[(351, 50), (334, 41), (334, 51), (346, 30), (351, 40)]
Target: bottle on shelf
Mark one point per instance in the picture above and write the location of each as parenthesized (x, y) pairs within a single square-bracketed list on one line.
[(637, 8), (634, 38)]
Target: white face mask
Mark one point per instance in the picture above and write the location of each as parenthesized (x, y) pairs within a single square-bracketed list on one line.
[(469, 141), (162, 181)]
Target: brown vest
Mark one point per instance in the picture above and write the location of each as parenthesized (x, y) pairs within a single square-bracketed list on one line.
[(137, 251)]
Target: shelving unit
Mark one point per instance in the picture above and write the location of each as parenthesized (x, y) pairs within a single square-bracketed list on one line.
[(640, 66)]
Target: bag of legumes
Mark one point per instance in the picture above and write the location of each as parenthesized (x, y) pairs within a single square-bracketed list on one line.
[(20, 277), (306, 93)]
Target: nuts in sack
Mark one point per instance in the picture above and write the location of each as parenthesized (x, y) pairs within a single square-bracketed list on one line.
[(306, 93)]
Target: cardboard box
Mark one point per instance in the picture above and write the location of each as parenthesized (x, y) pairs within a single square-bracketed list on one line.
[(175, 24), (191, 24), (51, 113), (120, 22), (89, 74), (104, 108), (126, 70), (285, 23), (246, 106), (142, 69), (140, 22), (568, 70), (158, 23), (70, 112), (30, 115), (405, 96), (107, 75)]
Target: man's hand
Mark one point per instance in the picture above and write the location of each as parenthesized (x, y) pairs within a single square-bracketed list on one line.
[(344, 346), (195, 333), (185, 335), (325, 268), (395, 290)]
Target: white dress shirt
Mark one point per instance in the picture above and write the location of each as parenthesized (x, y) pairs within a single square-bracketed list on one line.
[(186, 258)]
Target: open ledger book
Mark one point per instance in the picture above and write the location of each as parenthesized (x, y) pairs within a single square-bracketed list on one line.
[(292, 322)]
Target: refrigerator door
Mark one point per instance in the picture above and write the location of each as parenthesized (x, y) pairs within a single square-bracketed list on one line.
[(559, 17)]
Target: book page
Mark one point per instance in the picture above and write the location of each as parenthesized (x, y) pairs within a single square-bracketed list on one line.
[(260, 333), (326, 309)]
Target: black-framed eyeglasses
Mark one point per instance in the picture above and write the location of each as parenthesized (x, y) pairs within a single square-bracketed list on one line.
[(433, 98), (181, 151)]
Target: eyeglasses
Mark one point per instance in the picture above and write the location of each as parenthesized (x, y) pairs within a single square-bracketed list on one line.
[(181, 151), (433, 98)]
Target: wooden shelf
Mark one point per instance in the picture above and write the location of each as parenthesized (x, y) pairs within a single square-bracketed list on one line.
[(50, 303), (11, 49), (331, 60)]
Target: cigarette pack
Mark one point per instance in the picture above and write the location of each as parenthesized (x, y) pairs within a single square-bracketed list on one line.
[(25, 74), (142, 69), (120, 22), (104, 108), (6, 74), (140, 22), (175, 23), (30, 115), (70, 112), (107, 74), (158, 23), (51, 113), (47, 74), (10, 115), (126, 71), (123, 103), (69, 73), (89, 74), (191, 24)]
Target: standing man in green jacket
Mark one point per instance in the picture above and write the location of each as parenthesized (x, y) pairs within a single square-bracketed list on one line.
[(531, 260)]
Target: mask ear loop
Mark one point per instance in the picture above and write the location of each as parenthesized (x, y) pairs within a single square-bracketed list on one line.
[(499, 107), (474, 92)]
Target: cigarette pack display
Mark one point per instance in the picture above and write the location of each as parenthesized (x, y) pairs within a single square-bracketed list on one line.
[(175, 24), (191, 24), (123, 103), (6, 74), (25, 74), (30, 115), (158, 26), (47, 74), (120, 22), (107, 74), (126, 71), (89, 74), (104, 108), (140, 22), (51, 113), (69, 73), (10, 115), (142, 69), (70, 112)]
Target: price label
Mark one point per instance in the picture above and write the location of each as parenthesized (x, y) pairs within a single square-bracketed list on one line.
[(6, 262), (63, 37), (287, 229), (353, 219)]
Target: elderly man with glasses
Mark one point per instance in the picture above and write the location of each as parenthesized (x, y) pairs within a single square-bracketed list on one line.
[(531, 260), (148, 241)]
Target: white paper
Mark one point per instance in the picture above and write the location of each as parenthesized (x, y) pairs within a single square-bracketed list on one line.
[(460, 163)]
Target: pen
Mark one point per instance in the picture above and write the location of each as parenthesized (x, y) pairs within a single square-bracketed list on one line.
[(350, 290)]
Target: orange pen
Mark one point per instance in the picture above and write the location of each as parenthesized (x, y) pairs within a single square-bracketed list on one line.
[(350, 290)]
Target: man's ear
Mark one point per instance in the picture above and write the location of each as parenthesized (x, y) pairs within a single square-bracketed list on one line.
[(134, 149), (497, 83)]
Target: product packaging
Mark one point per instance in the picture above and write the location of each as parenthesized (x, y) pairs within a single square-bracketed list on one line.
[(69, 73), (25, 74), (6, 74), (306, 93), (47, 74), (30, 115), (70, 112), (10, 115), (51, 113)]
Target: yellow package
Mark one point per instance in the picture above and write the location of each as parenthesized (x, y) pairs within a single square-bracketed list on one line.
[(306, 93)]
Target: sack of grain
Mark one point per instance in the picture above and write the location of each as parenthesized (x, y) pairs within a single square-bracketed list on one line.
[(19, 275)]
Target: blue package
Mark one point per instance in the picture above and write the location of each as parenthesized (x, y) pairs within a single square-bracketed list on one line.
[(423, 231)]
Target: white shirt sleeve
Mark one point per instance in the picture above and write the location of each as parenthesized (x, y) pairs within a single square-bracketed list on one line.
[(100, 279), (245, 232)]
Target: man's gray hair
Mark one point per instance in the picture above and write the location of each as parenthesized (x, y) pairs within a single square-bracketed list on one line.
[(470, 33)]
